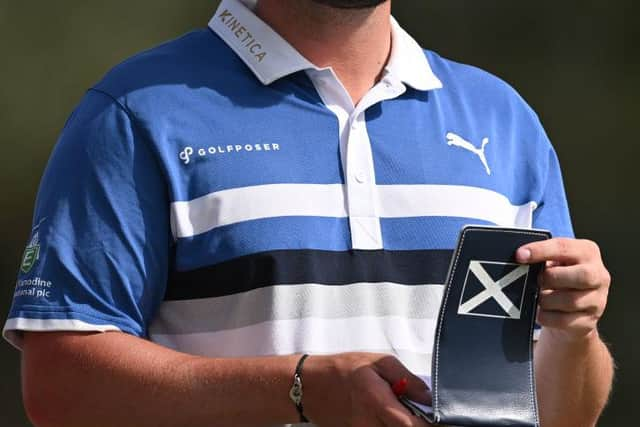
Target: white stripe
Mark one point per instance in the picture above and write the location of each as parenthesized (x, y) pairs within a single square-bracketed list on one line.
[(285, 302), (14, 326), (261, 201), (399, 201), (190, 218), (311, 335)]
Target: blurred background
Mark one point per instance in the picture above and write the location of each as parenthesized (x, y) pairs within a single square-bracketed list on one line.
[(576, 62)]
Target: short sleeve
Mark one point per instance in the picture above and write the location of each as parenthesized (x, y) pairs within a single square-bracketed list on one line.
[(97, 256), (552, 212)]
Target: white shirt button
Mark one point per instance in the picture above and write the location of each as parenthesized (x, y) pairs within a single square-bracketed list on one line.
[(360, 177)]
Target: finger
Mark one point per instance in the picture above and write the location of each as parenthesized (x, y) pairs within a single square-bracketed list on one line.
[(399, 417), (577, 276), (365, 419), (393, 371), (562, 250), (551, 263), (418, 391), (397, 420), (372, 398), (570, 301), (394, 414), (399, 388)]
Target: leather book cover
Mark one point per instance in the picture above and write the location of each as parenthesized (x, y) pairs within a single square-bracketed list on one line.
[(482, 370)]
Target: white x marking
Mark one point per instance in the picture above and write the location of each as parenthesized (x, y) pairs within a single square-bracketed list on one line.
[(493, 289)]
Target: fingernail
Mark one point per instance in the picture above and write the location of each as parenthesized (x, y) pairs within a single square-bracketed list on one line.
[(523, 254), (400, 387)]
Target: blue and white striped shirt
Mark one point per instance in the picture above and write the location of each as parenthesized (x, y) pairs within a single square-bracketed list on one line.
[(222, 196)]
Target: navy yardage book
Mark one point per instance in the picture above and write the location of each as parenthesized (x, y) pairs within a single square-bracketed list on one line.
[(482, 372)]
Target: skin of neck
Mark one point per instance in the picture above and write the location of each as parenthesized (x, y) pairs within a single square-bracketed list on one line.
[(356, 43)]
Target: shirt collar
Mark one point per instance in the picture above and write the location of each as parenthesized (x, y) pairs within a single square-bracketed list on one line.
[(271, 57), (408, 61)]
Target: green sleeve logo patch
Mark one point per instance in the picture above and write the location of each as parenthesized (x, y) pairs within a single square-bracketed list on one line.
[(31, 254)]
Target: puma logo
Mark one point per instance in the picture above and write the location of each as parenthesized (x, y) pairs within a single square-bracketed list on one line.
[(453, 139)]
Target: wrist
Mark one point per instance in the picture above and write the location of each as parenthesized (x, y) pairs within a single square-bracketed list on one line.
[(320, 379), (272, 390), (296, 393), (564, 339)]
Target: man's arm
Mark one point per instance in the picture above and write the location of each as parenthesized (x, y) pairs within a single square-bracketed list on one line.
[(573, 379), (115, 379), (574, 370)]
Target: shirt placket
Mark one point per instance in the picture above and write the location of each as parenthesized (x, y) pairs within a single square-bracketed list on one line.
[(361, 196)]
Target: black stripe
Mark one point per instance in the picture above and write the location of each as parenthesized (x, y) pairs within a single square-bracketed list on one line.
[(309, 266)]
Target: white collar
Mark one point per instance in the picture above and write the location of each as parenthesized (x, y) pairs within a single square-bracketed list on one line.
[(271, 57)]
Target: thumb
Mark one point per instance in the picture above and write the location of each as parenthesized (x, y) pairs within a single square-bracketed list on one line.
[(418, 391), (395, 373)]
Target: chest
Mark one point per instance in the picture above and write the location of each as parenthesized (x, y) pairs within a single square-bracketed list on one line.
[(252, 180)]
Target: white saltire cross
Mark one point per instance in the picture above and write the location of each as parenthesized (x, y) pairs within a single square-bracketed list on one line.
[(493, 289)]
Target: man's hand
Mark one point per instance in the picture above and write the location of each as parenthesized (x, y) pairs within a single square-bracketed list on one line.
[(136, 383), (573, 286), (354, 390), (573, 367)]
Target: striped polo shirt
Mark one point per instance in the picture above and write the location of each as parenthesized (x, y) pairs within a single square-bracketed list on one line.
[(222, 196)]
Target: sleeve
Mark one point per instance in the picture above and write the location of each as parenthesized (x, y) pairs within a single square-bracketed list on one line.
[(552, 212), (97, 256)]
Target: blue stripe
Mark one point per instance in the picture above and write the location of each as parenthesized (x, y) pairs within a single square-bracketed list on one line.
[(423, 232), (249, 237), (315, 233)]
